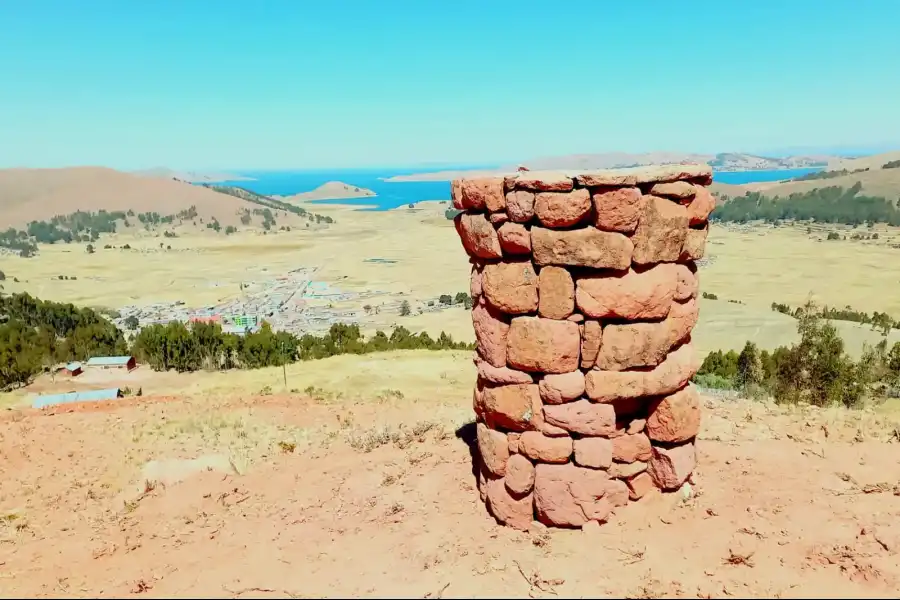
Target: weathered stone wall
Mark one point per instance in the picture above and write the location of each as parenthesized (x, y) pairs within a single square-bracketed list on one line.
[(585, 295)]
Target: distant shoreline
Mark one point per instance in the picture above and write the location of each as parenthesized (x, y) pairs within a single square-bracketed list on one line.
[(451, 175)]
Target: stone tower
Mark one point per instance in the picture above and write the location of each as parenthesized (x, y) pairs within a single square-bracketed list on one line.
[(584, 295)]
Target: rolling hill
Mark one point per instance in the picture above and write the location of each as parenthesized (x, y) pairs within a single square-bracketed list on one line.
[(331, 190), (40, 194), (874, 162)]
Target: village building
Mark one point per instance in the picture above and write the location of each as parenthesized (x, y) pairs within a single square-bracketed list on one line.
[(72, 369), (125, 363)]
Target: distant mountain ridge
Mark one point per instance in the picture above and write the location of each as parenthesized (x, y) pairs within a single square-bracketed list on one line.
[(732, 161), (724, 161), (190, 176)]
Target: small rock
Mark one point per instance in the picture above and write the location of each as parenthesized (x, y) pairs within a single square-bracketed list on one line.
[(670, 467), (500, 375), (591, 336), (701, 207), (631, 295), (661, 231), (680, 190), (514, 238), (511, 287), (478, 236), (585, 247), (498, 218), (670, 375), (640, 485), (491, 332), (562, 387), (541, 448), (688, 283), (582, 416), (676, 417), (694, 244), (626, 470), (542, 181), (568, 495), (562, 209), (557, 293), (617, 209), (482, 193), (594, 452), (543, 345), (520, 206), (494, 449), (631, 447), (519, 474), (508, 508), (513, 407)]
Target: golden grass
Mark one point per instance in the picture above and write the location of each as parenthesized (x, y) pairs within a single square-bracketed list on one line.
[(400, 376), (757, 267), (784, 264)]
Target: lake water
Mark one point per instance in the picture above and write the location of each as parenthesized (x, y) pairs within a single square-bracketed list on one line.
[(393, 195)]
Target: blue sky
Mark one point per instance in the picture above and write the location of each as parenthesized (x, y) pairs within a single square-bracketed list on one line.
[(301, 84)]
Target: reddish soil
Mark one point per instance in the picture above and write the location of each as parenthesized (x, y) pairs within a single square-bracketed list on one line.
[(784, 506)]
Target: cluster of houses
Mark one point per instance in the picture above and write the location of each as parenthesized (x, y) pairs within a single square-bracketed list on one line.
[(124, 363), (74, 369)]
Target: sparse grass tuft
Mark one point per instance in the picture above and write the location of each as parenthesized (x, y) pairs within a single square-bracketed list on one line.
[(401, 436)]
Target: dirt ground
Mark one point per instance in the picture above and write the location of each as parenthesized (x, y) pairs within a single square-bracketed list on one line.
[(310, 497)]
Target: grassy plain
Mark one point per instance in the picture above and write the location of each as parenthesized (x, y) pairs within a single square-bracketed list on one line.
[(755, 266)]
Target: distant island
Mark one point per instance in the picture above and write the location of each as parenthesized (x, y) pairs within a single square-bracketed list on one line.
[(726, 161), (333, 190)]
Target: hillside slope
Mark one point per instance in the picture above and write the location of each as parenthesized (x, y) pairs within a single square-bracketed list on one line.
[(876, 182), (40, 194), (876, 161)]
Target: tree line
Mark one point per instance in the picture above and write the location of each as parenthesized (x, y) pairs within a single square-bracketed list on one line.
[(86, 226), (38, 334), (816, 370), (268, 202), (878, 320), (829, 205), (82, 226), (827, 174)]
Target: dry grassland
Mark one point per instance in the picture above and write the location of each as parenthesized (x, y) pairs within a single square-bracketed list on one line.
[(756, 267)]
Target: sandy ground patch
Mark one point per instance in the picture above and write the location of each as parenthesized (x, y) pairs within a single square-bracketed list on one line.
[(376, 498)]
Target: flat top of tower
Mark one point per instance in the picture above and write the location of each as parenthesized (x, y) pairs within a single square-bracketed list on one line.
[(614, 177)]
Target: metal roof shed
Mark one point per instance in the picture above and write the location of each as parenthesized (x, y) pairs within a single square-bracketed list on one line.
[(122, 362), (85, 396)]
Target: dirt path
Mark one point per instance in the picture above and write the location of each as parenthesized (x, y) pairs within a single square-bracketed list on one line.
[(326, 507)]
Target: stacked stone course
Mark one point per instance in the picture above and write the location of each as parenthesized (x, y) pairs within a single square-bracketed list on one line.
[(584, 294)]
